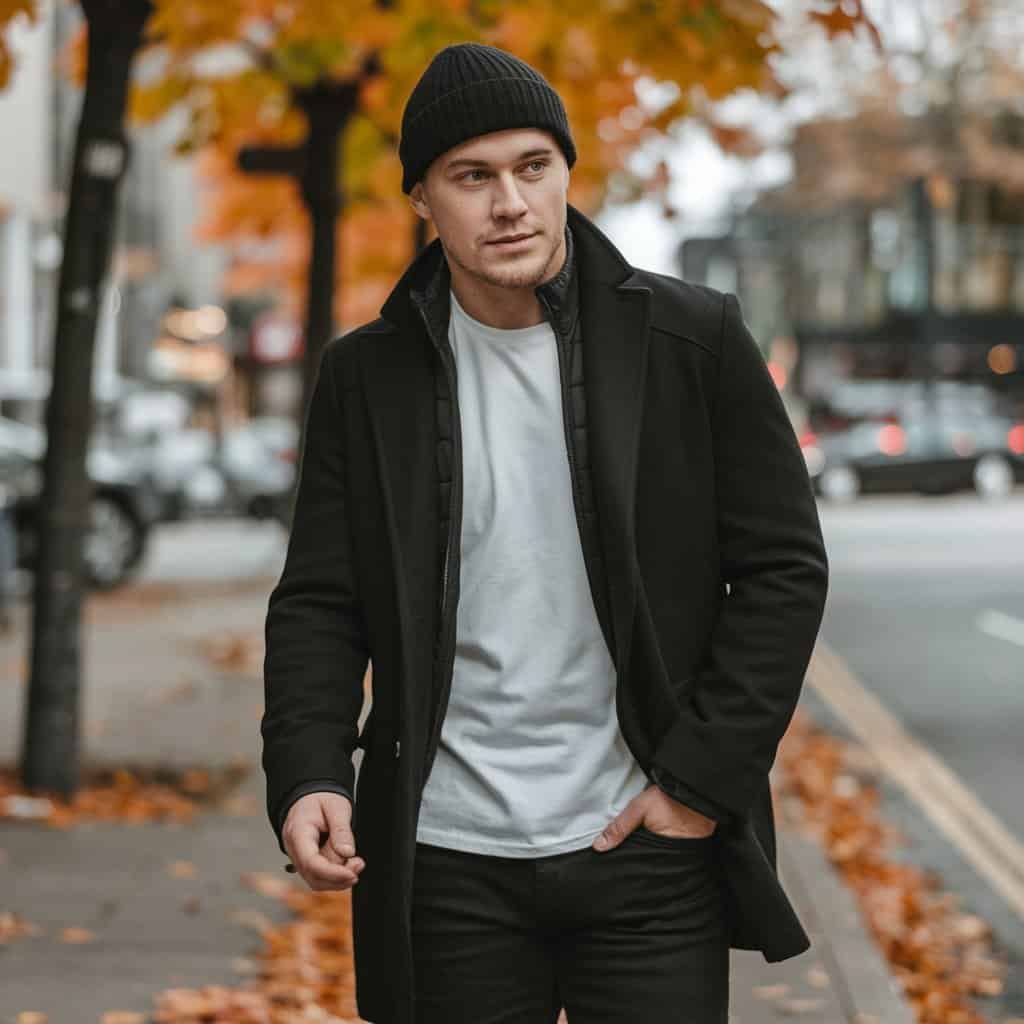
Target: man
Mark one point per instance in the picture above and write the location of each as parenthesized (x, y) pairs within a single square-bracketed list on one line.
[(557, 501)]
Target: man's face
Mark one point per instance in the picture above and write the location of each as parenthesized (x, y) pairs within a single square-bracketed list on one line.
[(498, 186)]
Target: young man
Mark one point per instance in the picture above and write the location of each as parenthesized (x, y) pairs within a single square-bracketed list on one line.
[(557, 501)]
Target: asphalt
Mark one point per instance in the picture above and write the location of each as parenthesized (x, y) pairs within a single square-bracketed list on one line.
[(156, 695)]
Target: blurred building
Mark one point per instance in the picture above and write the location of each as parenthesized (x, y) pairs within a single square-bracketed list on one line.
[(886, 257), (156, 267)]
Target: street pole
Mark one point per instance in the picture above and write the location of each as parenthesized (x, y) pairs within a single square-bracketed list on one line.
[(923, 220), (314, 165)]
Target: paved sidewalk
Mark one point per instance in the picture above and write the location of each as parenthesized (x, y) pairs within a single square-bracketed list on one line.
[(152, 696)]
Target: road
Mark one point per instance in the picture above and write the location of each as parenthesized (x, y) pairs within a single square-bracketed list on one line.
[(926, 605), (926, 608)]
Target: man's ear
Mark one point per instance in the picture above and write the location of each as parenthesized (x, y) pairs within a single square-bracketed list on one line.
[(418, 201)]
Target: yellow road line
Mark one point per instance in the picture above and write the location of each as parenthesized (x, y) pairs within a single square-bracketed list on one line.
[(959, 815)]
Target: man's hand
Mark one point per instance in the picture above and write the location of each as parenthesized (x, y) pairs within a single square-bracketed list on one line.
[(658, 812), (322, 818)]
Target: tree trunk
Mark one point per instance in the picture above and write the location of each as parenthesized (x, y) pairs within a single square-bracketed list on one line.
[(50, 751), (328, 107)]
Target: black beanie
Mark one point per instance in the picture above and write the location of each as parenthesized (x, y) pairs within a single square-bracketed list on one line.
[(471, 89)]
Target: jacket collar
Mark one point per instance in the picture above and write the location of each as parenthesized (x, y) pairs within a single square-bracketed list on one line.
[(426, 282)]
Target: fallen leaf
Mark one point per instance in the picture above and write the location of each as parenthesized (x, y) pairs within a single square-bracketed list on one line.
[(122, 1017), (183, 690), (14, 927), (182, 869), (267, 884), (770, 991), (31, 1017), (796, 1007), (251, 919), (817, 977), (76, 936)]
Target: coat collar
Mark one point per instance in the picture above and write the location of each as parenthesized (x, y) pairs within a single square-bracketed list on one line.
[(426, 282)]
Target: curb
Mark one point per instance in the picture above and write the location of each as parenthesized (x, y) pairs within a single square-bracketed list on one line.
[(863, 984)]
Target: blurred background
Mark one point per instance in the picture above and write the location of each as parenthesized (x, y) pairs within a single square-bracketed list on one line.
[(195, 196)]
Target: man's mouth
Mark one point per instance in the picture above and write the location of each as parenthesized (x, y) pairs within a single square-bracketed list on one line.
[(512, 239)]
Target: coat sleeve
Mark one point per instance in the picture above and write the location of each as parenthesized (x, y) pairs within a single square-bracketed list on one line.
[(316, 645), (773, 559)]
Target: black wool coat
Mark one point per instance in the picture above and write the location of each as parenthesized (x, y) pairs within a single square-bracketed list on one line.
[(712, 567)]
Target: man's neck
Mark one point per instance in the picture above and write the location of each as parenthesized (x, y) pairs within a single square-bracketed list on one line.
[(504, 308)]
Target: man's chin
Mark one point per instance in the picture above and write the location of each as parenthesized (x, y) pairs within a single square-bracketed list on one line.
[(527, 274)]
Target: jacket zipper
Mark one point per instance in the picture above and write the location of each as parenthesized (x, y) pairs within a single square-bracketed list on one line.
[(455, 527), (454, 531), (564, 372)]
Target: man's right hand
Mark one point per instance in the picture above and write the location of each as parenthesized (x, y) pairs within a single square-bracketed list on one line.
[(322, 818)]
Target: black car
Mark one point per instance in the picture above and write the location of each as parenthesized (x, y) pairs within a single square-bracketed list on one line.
[(920, 451), (123, 505)]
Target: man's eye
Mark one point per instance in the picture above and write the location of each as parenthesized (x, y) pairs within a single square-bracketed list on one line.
[(539, 164), (468, 175)]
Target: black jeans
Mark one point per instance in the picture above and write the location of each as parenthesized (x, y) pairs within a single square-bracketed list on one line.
[(626, 936)]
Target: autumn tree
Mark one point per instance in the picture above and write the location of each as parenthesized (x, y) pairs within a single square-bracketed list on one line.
[(49, 757), (597, 55)]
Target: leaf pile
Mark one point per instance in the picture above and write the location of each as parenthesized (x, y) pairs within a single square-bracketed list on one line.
[(304, 971), (940, 955), (122, 795)]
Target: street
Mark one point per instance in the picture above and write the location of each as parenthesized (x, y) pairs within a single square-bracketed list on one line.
[(926, 609), (926, 606)]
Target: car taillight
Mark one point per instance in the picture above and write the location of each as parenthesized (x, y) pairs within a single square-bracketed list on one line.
[(287, 454), (808, 437), (1015, 439), (892, 440)]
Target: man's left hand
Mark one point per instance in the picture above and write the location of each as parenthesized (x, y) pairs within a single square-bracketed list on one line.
[(657, 812)]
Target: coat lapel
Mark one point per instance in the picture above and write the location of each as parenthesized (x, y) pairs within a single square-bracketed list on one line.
[(398, 383), (615, 315)]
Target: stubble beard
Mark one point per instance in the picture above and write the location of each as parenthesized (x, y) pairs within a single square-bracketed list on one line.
[(513, 277)]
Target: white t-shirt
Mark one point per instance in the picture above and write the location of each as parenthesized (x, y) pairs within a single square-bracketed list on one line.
[(531, 759)]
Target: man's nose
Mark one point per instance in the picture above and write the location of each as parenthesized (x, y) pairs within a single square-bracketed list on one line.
[(508, 200)]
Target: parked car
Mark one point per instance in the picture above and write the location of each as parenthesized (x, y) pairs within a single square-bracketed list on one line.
[(250, 472), (123, 505), (919, 451)]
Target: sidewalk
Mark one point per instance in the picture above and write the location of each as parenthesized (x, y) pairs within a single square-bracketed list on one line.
[(152, 696)]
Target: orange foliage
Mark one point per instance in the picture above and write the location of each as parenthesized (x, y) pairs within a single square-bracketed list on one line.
[(233, 65), (12, 11), (940, 955), (118, 795)]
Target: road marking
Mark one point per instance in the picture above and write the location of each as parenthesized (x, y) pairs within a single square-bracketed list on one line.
[(1004, 626), (951, 806)]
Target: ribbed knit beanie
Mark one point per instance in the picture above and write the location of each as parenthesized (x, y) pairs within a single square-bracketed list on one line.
[(470, 89)]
